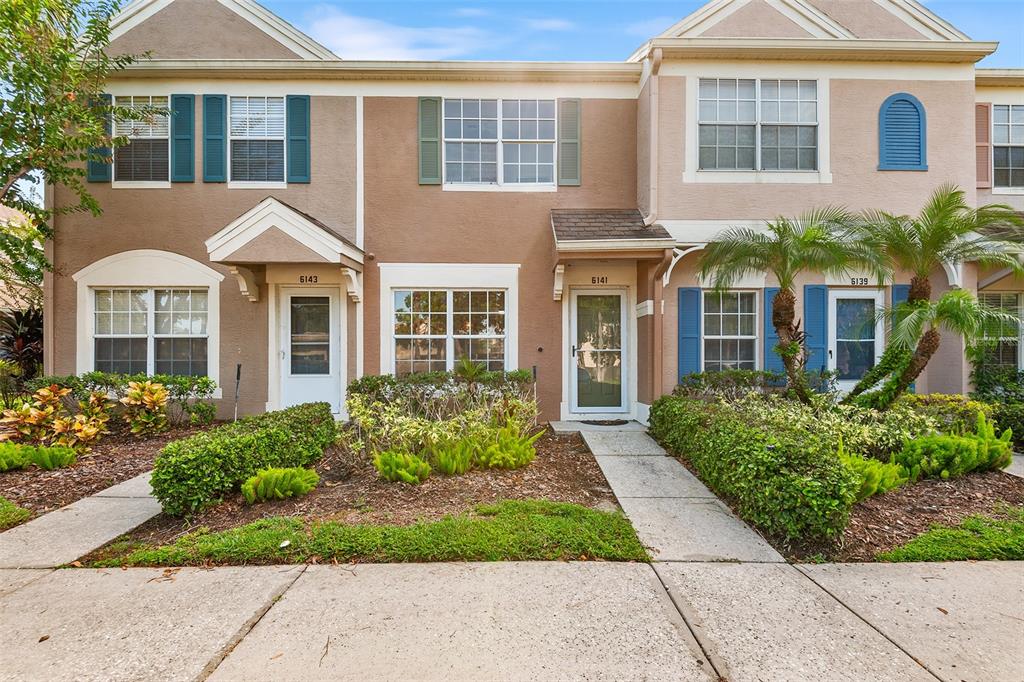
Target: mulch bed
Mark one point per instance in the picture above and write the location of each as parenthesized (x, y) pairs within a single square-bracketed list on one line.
[(351, 492), (116, 458), (885, 522)]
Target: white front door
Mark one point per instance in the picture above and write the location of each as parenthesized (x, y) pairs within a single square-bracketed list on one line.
[(311, 343), (856, 333), (597, 353)]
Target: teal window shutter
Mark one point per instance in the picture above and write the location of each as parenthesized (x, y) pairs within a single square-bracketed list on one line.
[(215, 142), (772, 360), (569, 170), (297, 125), (816, 326), (689, 330), (430, 140), (902, 134), (900, 294), (183, 144), (96, 170)]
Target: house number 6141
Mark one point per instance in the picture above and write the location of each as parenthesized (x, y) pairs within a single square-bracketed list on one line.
[(308, 279), (600, 279)]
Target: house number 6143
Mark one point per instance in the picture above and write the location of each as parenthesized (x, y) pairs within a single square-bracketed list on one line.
[(308, 279)]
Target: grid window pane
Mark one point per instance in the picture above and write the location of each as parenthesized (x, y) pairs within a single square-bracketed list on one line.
[(257, 139), (146, 156), (1008, 149), (472, 147), (1001, 339), (730, 330)]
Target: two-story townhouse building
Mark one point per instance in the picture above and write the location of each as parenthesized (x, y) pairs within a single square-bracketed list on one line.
[(315, 219)]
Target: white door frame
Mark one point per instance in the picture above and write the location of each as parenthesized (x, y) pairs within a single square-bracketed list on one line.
[(337, 337), (876, 295), (624, 357)]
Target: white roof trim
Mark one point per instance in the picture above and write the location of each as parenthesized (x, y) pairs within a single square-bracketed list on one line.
[(922, 19), (814, 21), (272, 213), (277, 28), (571, 245)]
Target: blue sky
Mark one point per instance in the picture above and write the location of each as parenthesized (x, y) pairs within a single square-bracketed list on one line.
[(561, 29)]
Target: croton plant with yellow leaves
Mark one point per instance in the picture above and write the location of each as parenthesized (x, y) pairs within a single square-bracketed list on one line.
[(145, 406), (44, 419)]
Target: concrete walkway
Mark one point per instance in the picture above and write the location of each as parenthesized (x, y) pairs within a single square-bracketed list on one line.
[(61, 536), (1016, 466)]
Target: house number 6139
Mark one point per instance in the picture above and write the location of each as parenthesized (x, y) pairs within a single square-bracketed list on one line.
[(308, 279), (859, 281)]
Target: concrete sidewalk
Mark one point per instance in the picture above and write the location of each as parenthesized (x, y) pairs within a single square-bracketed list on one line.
[(63, 535)]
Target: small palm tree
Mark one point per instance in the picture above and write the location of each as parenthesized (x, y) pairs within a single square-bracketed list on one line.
[(946, 233), (818, 242), (919, 328)]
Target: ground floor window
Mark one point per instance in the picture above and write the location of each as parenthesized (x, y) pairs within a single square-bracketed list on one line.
[(1001, 340), (730, 330), (151, 331), (435, 328)]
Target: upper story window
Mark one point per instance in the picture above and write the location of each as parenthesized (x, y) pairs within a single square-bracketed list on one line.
[(751, 124), (146, 157), (257, 139), (494, 141), (1008, 145)]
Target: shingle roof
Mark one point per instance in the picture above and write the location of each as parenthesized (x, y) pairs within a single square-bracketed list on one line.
[(590, 224), (319, 223)]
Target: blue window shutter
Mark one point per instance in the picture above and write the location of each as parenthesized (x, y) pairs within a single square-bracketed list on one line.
[(215, 143), (689, 330), (297, 111), (902, 134), (183, 144), (816, 326), (99, 171), (900, 294), (772, 360)]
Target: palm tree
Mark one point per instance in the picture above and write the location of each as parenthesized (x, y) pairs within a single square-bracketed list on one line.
[(818, 241), (957, 311), (946, 233)]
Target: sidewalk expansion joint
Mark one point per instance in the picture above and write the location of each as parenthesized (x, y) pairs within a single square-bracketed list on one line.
[(718, 666), (246, 628)]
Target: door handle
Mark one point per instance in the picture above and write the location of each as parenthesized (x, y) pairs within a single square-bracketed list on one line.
[(574, 351), (830, 353), (283, 353)]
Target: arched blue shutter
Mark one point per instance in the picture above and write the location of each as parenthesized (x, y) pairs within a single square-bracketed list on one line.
[(772, 360), (902, 134), (689, 330), (816, 326)]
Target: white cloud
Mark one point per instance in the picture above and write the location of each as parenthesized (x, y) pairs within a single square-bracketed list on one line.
[(648, 28), (354, 37), (470, 12), (550, 24)]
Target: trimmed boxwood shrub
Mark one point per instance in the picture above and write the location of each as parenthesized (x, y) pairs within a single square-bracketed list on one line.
[(194, 472), (790, 483)]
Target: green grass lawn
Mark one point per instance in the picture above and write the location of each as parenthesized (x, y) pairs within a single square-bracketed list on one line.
[(511, 530), (11, 514), (977, 538)]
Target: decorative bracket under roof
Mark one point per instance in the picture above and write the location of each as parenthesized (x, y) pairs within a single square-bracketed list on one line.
[(246, 282), (354, 284), (559, 280)]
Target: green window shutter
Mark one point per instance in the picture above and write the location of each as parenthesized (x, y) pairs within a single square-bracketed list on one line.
[(183, 144), (430, 140), (96, 170), (297, 126), (569, 142), (215, 128)]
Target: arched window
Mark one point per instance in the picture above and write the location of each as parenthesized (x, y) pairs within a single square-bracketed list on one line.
[(902, 134)]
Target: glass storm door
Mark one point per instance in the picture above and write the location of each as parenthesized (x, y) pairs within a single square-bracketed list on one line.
[(597, 353), (311, 344), (856, 334)]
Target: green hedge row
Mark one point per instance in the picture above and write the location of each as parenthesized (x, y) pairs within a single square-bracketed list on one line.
[(194, 472), (788, 482)]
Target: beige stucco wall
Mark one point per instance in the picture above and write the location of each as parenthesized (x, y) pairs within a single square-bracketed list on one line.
[(199, 29), (856, 182), (756, 19), (866, 19), (408, 222), (181, 218)]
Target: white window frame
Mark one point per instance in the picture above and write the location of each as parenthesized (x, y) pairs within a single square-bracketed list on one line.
[(500, 185), (1020, 325), (874, 294), (142, 184), (453, 276), (151, 334), (996, 189), (145, 269), (258, 184), (757, 337), (691, 161)]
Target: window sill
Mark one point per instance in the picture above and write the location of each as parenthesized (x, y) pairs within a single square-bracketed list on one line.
[(141, 184), (1008, 190), (903, 168), (758, 177), (241, 184), (498, 188)]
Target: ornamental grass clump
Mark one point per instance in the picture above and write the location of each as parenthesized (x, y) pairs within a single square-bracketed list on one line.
[(279, 484), (401, 467), (948, 456)]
